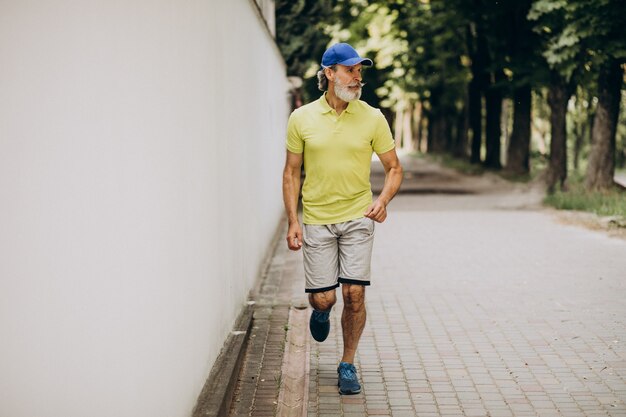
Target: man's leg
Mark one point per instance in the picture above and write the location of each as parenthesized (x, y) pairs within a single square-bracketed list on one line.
[(319, 322), (352, 319), (355, 255), (323, 301), (352, 323), (321, 265)]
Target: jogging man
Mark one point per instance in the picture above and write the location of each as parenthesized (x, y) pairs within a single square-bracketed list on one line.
[(335, 137)]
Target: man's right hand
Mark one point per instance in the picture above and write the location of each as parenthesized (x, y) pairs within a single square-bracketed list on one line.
[(294, 236)]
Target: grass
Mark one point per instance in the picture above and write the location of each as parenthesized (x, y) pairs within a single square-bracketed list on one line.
[(602, 203), (460, 165), (278, 379), (538, 164), (611, 203)]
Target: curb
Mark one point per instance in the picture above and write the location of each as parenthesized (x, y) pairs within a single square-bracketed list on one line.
[(217, 393), (293, 397)]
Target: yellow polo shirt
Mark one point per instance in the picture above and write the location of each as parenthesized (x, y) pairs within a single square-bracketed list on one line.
[(337, 157)]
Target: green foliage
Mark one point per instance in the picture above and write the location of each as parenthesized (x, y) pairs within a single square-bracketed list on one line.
[(434, 37), (580, 33), (370, 29), (424, 50), (543, 7), (604, 203), (300, 32), (560, 44)]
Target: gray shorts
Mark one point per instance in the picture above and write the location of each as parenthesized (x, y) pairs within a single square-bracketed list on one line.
[(337, 253)]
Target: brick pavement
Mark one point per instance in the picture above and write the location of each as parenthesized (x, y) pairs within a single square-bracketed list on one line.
[(472, 312), (260, 377)]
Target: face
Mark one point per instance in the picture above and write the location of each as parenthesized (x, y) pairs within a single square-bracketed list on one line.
[(346, 81)]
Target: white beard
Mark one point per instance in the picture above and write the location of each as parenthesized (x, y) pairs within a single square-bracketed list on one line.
[(343, 92)]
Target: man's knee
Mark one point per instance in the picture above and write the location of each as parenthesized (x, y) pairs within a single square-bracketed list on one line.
[(353, 296), (322, 301)]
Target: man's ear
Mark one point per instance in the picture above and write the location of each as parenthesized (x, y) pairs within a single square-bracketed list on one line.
[(330, 74)]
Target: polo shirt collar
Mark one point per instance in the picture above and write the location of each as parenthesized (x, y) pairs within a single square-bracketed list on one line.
[(325, 107)]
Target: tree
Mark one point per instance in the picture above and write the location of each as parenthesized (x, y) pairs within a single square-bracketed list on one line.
[(417, 60), (300, 34), (600, 25), (500, 44), (589, 34), (601, 167), (444, 57), (435, 71), (581, 121), (493, 103), (558, 96), (522, 44), (477, 48), (496, 31), (550, 18)]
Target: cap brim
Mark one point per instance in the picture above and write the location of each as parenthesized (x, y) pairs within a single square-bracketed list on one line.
[(353, 61)]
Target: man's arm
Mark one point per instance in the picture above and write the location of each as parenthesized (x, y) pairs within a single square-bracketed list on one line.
[(393, 178), (291, 192)]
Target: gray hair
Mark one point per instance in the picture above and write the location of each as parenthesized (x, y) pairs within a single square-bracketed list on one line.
[(322, 81)]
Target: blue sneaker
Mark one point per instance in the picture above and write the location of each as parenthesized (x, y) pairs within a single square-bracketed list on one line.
[(319, 324), (348, 381)]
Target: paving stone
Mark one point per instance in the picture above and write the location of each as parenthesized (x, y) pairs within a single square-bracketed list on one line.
[(472, 311)]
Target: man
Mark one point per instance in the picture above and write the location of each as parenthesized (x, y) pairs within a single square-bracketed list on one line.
[(335, 137)]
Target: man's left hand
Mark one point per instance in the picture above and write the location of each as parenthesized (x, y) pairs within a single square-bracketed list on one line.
[(377, 211)]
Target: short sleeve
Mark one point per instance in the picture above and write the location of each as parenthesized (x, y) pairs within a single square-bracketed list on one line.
[(295, 143), (383, 140)]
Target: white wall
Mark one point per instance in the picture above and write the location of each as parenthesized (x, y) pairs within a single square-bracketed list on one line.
[(141, 148)]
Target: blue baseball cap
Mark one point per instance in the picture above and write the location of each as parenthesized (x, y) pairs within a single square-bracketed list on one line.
[(343, 54)]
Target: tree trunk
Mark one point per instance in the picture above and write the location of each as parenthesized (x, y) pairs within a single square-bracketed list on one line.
[(423, 129), (417, 123), (558, 97), (397, 125), (437, 126), (389, 115), (437, 133), (507, 110), (578, 144), (430, 134), (493, 99), (407, 128), (518, 153), (449, 130), (582, 127), (601, 168), (462, 126), (475, 120), (477, 47)]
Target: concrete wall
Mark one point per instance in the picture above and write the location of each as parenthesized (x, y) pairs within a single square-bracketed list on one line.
[(141, 149)]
